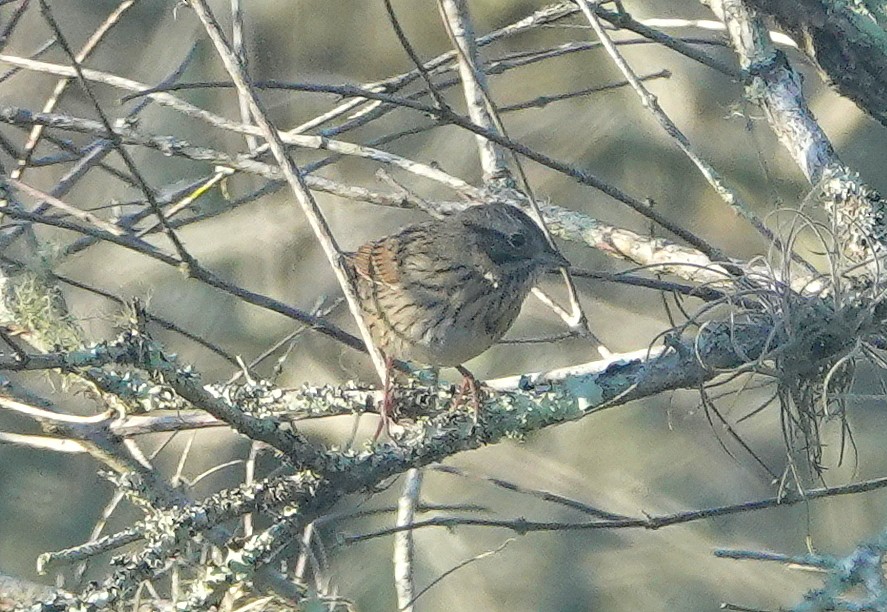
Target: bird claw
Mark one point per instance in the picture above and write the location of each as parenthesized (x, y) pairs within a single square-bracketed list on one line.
[(386, 409), (472, 389)]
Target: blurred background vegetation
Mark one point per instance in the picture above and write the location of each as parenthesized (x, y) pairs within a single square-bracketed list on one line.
[(655, 456)]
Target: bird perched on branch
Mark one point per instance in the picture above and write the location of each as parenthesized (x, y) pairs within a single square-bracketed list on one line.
[(444, 291)]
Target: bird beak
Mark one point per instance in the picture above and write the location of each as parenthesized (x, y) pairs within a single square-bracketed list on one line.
[(554, 260)]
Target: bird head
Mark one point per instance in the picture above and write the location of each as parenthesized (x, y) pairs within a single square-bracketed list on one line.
[(511, 240)]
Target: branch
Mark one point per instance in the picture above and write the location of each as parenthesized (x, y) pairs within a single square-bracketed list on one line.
[(858, 212), (403, 542)]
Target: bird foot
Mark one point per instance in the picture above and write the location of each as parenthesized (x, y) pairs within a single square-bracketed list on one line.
[(471, 389), (387, 407), (386, 418)]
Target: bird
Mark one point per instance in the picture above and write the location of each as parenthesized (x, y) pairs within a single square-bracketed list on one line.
[(443, 291)]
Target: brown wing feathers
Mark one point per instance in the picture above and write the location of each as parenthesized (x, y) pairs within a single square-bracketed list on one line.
[(376, 261)]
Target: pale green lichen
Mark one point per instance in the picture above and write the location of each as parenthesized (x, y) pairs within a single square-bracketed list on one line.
[(37, 307)]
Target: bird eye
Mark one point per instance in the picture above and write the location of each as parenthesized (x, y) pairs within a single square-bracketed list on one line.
[(517, 240)]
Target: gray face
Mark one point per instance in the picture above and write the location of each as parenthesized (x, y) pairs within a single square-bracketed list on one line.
[(510, 238)]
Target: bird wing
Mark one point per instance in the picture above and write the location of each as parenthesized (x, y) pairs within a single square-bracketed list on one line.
[(376, 261)]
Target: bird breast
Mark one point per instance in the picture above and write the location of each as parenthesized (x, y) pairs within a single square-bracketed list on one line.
[(444, 315)]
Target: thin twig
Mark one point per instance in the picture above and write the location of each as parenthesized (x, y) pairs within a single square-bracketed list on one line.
[(16, 16), (405, 43), (118, 145), (483, 112), (457, 21), (444, 575), (293, 177), (237, 44), (82, 215), (650, 102), (199, 273), (91, 45), (649, 521), (579, 175)]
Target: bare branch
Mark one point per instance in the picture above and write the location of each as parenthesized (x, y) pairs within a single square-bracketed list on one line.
[(403, 542)]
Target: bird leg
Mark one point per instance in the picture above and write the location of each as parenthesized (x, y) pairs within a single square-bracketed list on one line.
[(470, 388), (386, 409)]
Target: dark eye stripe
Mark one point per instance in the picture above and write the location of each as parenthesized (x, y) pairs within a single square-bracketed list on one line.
[(486, 232), (499, 246)]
